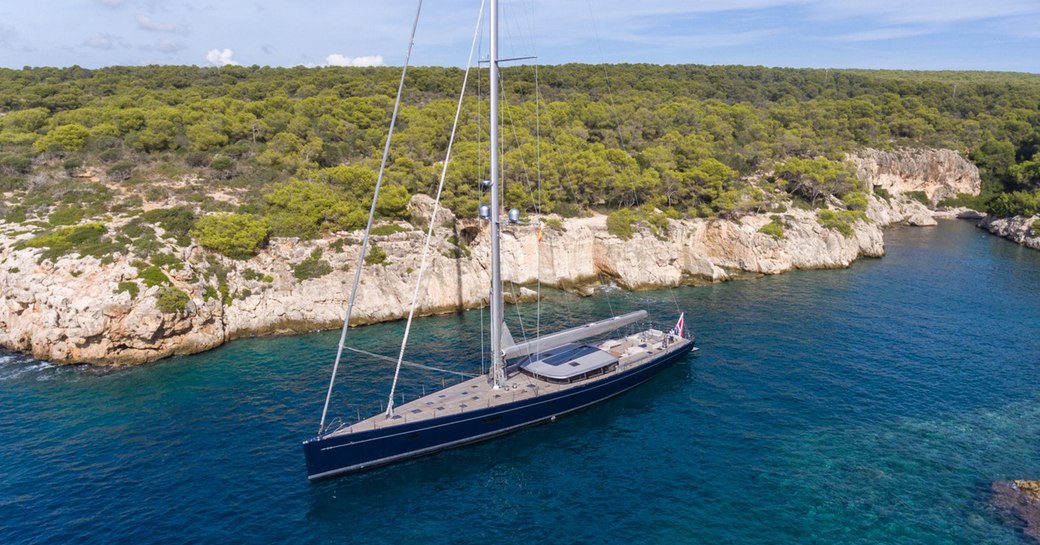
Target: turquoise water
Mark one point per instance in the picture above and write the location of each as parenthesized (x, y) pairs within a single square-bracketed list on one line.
[(868, 405)]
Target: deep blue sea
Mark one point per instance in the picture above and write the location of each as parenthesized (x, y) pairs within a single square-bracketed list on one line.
[(874, 404)]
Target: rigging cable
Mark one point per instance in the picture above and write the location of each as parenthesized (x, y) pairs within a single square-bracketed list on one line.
[(538, 194), (606, 79), (371, 217), (480, 175), (433, 219), (408, 363)]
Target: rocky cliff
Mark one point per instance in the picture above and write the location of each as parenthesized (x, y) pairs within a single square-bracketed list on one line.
[(938, 173), (74, 309), (71, 310)]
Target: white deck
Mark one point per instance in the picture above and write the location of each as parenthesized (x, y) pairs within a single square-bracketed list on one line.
[(478, 393)]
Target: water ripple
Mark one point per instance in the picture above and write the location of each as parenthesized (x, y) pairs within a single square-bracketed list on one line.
[(867, 405)]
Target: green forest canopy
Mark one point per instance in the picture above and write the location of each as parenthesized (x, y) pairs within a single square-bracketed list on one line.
[(297, 148)]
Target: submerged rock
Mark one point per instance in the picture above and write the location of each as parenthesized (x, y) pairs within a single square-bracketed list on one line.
[(1022, 498)]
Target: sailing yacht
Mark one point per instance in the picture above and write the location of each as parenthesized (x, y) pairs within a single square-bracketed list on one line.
[(528, 383)]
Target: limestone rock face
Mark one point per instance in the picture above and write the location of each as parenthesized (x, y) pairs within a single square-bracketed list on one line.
[(939, 173), (1018, 229), (72, 310), (69, 311), (899, 210), (960, 213)]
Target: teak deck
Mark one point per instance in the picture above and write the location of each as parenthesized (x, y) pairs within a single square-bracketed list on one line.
[(478, 392)]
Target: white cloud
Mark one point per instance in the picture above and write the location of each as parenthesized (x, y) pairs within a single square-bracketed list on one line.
[(11, 39), (163, 45), (8, 36), (337, 59), (901, 12), (103, 41), (219, 57), (146, 23), (111, 3), (879, 34)]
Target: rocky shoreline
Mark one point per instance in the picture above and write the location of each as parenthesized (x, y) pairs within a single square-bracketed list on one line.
[(73, 310), (1020, 229)]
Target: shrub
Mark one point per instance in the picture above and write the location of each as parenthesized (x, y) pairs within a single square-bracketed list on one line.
[(855, 200), (222, 162), (153, 276), (553, 223), (66, 215), (111, 155), (15, 164), (460, 249), (71, 164), (387, 229), (967, 200), (619, 223), (85, 239), (171, 300), (302, 209), (168, 261), (130, 287), (919, 196), (1018, 203), (813, 179), (16, 214), (568, 210), (312, 267), (225, 294), (237, 236), (774, 228), (121, 170), (71, 137), (136, 229), (12, 183), (1035, 228), (882, 193), (841, 220), (249, 274), (176, 222), (376, 256)]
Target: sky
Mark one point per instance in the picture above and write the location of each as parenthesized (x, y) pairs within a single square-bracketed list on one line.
[(894, 34)]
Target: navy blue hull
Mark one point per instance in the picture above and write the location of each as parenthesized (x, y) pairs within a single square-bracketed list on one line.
[(336, 455)]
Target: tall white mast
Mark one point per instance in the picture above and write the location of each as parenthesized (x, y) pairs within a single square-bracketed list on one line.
[(498, 375)]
